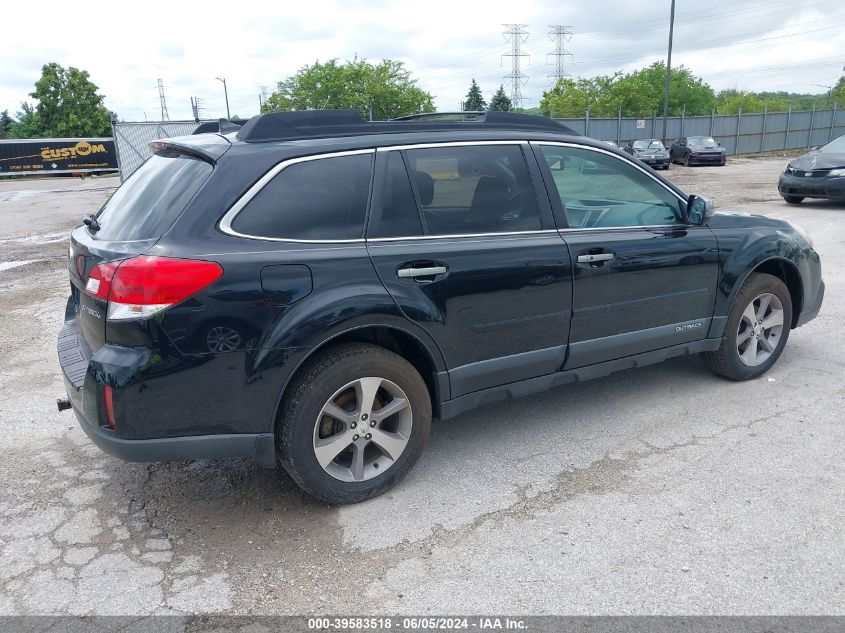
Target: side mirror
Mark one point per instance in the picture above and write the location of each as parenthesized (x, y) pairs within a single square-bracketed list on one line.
[(815, 148), (700, 210)]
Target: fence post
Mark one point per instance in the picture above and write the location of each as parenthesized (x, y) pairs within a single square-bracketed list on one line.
[(786, 135), (738, 126), (712, 119), (763, 134), (587, 122), (618, 126), (832, 121), (654, 124), (116, 149), (812, 121), (683, 117)]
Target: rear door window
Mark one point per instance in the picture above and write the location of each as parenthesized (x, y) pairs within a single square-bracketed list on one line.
[(148, 203), (474, 189), (319, 199)]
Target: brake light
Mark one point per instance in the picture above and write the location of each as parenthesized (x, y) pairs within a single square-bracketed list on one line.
[(140, 287)]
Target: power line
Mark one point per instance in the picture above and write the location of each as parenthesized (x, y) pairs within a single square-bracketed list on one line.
[(518, 36), (164, 115), (560, 36)]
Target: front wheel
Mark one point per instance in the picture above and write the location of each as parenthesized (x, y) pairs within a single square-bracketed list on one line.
[(757, 329), (354, 423), (686, 160), (794, 199)]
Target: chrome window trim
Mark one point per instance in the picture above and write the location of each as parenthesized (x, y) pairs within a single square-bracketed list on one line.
[(460, 235), (398, 148), (225, 224), (620, 159)]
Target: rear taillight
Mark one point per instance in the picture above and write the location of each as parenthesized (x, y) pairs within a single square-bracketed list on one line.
[(140, 287)]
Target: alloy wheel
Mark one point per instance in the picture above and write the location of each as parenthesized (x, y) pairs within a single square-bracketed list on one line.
[(759, 330), (362, 429)]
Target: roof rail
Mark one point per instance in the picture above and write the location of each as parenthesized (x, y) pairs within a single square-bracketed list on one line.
[(303, 124)]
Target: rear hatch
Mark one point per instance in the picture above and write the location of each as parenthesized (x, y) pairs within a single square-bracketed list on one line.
[(132, 221)]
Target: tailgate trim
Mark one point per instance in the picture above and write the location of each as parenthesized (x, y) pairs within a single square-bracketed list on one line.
[(74, 354)]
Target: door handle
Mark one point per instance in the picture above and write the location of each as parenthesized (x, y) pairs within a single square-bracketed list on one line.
[(430, 271), (595, 257)]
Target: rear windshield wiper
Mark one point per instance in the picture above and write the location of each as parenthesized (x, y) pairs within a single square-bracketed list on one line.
[(91, 222)]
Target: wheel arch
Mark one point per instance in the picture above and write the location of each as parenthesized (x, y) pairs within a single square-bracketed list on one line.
[(789, 274), (428, 362)]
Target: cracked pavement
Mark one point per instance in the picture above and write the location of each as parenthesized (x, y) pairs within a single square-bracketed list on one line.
[(663, 490)]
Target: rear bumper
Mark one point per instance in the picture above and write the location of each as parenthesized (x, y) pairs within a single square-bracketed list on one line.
[(258, 446), (826, 187), (84, 376)]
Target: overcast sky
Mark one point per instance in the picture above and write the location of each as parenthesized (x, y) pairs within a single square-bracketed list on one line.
[(746, 44)]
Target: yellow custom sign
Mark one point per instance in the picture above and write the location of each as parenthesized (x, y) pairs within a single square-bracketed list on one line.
[(82, 148)]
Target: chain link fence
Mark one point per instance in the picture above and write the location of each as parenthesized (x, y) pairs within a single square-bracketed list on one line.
[(739, 133), (132, 140)]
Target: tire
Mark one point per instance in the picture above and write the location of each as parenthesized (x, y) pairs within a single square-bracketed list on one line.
[(686, 160), (339, 376), (728, 360), (794, 199)]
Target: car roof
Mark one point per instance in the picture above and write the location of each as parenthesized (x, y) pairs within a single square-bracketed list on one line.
[(316, 124)]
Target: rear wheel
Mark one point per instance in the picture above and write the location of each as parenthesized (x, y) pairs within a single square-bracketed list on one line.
[(794, 199), (757, 329), (354, 424)]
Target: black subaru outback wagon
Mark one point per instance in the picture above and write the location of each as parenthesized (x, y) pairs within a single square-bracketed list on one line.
[(314, 288)]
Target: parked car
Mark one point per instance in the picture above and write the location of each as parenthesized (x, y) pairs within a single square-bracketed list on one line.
[(312, 289), (817, 174), (697, 150), (651, 151)]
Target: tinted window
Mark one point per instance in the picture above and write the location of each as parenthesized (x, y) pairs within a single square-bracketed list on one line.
[(836, 146), (474, 189), (399, 214), (598, 190), (321, 199), (149, 201)]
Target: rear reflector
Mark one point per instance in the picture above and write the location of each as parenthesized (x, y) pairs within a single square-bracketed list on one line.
[(108, 400), (140, 287)]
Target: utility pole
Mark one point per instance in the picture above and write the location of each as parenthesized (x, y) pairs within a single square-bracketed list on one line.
[(164, 115), (517, 35), (668, 71), (560, 35), (226, 93)]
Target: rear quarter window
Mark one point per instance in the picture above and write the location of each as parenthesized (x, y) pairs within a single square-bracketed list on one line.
[(319, 199), (148, 203)]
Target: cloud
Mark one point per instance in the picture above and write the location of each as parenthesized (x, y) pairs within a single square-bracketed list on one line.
[(754, 44)]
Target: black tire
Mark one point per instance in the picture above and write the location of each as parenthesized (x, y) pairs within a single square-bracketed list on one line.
[(726, 360), (317, 381), (794, 199), (686, 160)]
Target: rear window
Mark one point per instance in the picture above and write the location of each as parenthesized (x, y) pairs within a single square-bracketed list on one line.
[(320, 199), (147, 204)]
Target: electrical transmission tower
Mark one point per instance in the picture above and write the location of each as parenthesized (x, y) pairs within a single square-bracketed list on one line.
[(517, 35), (262, 96), (560, 35), (164, 115), (197, 108)]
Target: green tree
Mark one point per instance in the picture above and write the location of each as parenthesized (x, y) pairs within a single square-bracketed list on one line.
[(68, 104), (475, 100), (731, 101), (837, 95), (386, 89), (5, 124), (500, 102), (26, 124)]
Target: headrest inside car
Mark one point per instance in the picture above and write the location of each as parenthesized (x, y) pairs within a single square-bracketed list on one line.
[(425, 187)]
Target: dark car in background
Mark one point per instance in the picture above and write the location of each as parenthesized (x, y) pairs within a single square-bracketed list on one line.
[(651, 151), (697, 150), (313, 289), (817, 174)]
